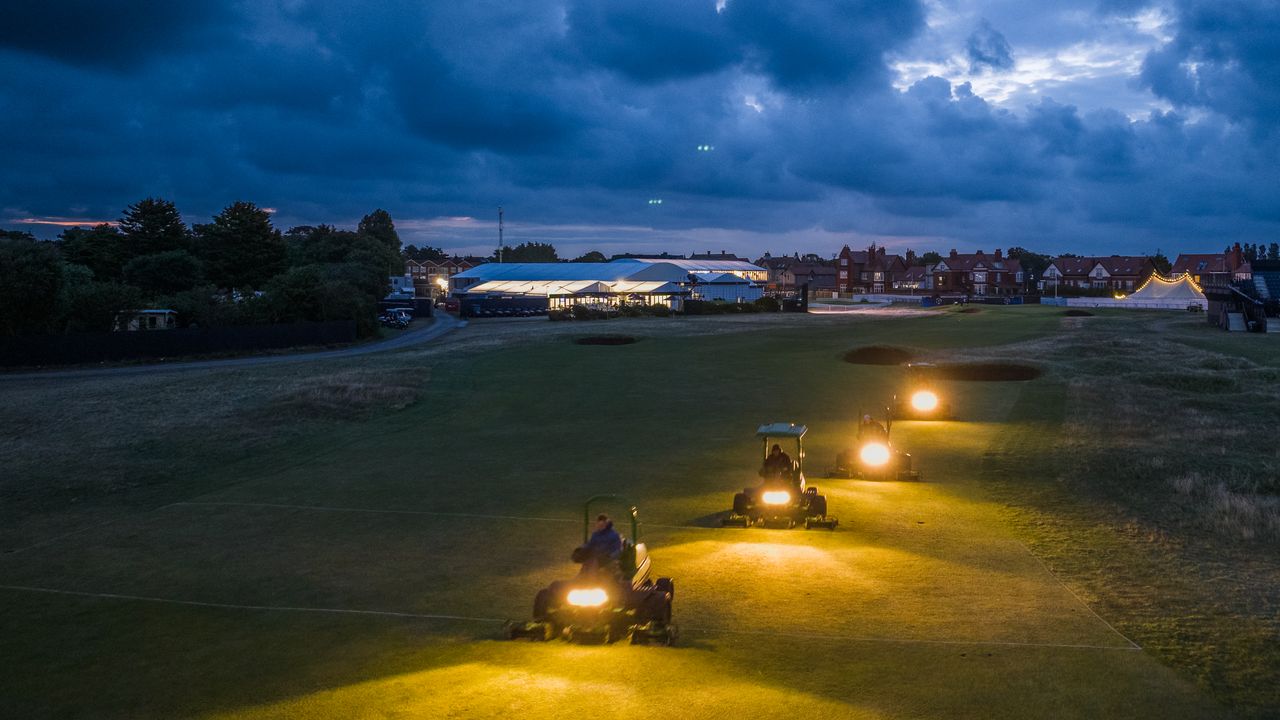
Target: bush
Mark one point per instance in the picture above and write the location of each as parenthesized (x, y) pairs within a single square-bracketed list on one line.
[(658, 310), (557, 315), (768, 304), (93, 306), (308, 293), (721, 307)]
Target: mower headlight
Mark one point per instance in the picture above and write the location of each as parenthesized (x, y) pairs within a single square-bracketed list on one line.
[(924, 401), (588, 597), (776, 497), (874, 454)]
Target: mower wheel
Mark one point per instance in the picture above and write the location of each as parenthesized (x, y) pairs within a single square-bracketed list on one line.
[(541, 603), (669, 637), (818, 506), (655, 609)]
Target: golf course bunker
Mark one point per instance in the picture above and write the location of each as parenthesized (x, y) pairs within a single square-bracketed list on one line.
[(989, 372), (1078, 313), (878, 355), (606, 340)]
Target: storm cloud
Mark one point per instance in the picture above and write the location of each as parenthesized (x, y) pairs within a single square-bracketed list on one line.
[(1122, 127)]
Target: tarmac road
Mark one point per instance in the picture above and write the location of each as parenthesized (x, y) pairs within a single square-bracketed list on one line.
[(440, 324)]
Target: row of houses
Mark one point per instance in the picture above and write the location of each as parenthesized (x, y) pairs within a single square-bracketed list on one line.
[(873, 270)]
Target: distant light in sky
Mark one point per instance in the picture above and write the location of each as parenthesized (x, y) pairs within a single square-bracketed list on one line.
[(720, 5), (706, 148), (655, 201)]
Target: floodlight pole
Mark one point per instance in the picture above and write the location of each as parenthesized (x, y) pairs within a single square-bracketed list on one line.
[(501, 249)]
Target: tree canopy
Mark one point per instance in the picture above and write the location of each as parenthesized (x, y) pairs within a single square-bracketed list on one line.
[(1033, 263), (531, 252), (1163, 266), (30, 280), (423, 254), (378, 226), (165, 272), (153, 226), (101, 249), (240, 248), (593, 256)]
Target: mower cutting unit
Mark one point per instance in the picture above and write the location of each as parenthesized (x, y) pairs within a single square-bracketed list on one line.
[(782, 498), (923, 399), (874, 457), (605, 603)]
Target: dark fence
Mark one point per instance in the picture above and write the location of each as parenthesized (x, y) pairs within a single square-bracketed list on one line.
[(112, 346)]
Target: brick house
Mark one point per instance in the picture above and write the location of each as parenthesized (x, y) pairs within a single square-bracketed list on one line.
[(818, 277), (1114, 272), (787, 272), (868, 271), (430, 277), (978, 274), (1214, 269)]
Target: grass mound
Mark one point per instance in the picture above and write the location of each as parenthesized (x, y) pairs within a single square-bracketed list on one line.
[(989, 372), (1078, 313), (605, 340), (878, 355)]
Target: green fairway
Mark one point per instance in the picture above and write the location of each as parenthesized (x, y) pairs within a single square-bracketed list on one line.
[(283, 558)]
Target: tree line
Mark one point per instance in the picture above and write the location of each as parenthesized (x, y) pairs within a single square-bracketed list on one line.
[(237, 269)]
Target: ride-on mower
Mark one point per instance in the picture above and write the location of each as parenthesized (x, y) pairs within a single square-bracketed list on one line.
[(782, 497), (607, 601), (873, 456), (922, 399)]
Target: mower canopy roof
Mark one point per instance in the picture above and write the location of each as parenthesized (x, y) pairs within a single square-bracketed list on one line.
[(781, 429)]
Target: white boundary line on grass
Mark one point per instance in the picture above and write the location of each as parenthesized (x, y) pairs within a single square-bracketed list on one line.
[(1079, 599), (466, 618)]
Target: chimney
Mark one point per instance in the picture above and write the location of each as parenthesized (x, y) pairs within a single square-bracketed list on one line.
[(954, 253), (977, 252), (1235, 259), (997, 253)]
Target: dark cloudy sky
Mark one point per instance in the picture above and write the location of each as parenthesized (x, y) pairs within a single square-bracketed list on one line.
[(1075, 125)]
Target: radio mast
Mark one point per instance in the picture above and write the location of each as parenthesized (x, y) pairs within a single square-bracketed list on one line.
[(500, 247)]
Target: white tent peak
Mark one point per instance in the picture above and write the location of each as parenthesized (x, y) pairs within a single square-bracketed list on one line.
[(1159, 288)]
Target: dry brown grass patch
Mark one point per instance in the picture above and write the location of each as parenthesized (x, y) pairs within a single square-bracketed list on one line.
[(347, 395)]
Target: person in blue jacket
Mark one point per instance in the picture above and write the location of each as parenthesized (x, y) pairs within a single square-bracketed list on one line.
[(602, 550), (605, 543)]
